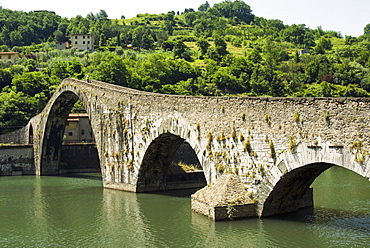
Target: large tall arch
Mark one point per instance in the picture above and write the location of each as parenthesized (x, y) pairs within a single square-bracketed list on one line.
[(51, 143), (50, 132)]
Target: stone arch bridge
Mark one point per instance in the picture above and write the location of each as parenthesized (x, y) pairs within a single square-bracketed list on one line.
[(269, 150)]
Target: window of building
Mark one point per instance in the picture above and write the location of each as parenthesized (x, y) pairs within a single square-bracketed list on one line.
[(88, 42), (76, 37), (0, 57), (83, 42), (70, 134), (76, 42), (9, 56), (82, 131), (88, 36), (83, 37)]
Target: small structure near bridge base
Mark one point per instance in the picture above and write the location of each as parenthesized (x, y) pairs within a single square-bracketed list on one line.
[(225, 199)]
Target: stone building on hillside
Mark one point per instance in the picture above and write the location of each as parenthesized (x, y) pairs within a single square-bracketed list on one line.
[(62, 45), (10, 56), (83, 42)]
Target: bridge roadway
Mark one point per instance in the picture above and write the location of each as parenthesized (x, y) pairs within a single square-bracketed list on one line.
[(274, 148)]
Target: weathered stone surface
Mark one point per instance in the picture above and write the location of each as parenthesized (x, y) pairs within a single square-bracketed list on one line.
[(16, 160), (19, 159)]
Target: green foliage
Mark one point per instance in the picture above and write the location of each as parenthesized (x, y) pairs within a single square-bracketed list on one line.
[(234, 9), (292, 143), (219, 50), (247, 146), (296, 116), (16, 108), (272, 150), (326, 115)]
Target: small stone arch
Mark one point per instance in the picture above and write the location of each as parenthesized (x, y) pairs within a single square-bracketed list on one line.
[(156, 162), (286, 186), (289, 193)]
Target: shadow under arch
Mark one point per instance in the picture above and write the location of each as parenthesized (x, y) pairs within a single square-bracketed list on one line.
[(51, 149), (156, 170), (292, 192)]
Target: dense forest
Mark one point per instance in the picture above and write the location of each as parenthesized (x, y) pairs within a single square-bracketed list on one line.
[(222, 49)]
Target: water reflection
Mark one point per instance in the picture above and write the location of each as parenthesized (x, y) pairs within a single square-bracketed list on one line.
[(121, 219), (78, 212)]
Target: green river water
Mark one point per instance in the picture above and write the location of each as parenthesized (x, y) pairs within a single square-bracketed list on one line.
[(78, 212)]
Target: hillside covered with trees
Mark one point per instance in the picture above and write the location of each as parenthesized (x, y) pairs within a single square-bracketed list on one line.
[(216, 50)]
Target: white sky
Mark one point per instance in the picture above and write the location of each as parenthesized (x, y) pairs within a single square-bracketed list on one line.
[(348, 17)]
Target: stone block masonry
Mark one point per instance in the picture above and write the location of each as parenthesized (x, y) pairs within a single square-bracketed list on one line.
[(16, 160)]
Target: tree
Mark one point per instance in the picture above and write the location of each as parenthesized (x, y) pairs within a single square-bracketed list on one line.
[(5, 78), (142, 38), (204, 7), (17, 108), (255, 56), (367, 29), (169, 22), (220, 46), (31, 83), (237, 8), (102, 15), (110, 69), (299, 35), (322, 45), (180, 50), (203, 46)]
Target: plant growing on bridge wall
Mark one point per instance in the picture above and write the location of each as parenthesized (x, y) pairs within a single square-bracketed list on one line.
[(261, 170), (254, 154), (243, 116), (359, 152), (197, 127), (267, 118), (130, 165), (233, 134), (272, 150), (252, 197), (326, 116), (220, 167), (209, 140), (220, 138), (296, 117), (241, 137), (247, 146), (356, 145), (230, 210), (292, 143)]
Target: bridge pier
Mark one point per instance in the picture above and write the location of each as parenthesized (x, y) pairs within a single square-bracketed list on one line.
[(228, 198)]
